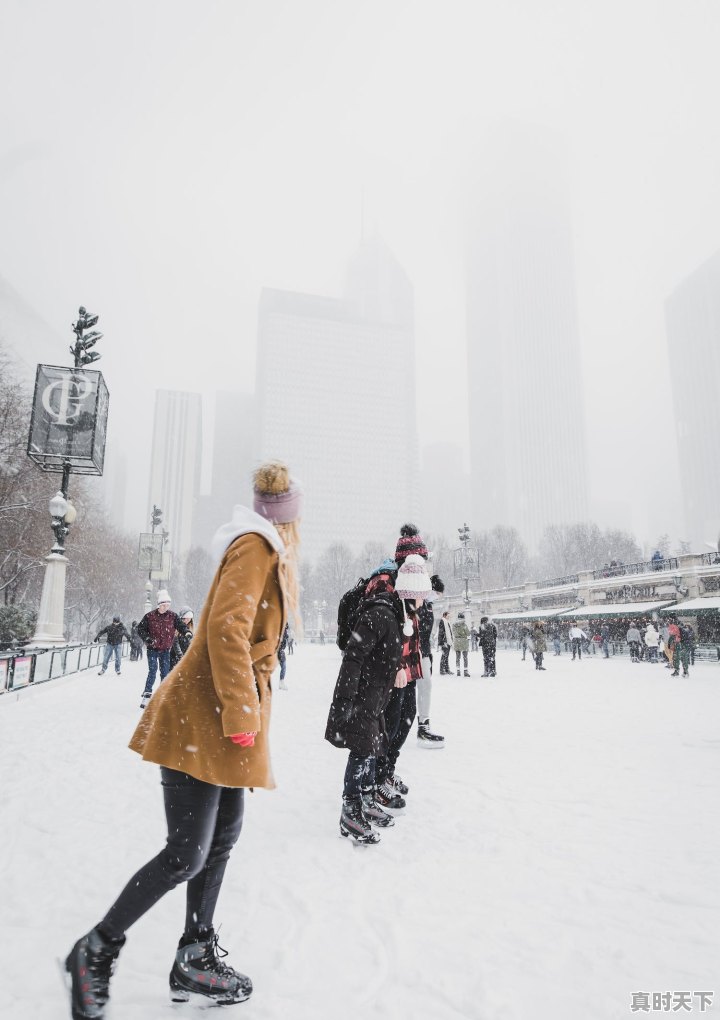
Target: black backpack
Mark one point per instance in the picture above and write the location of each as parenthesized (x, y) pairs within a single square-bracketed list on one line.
[(348, 611)]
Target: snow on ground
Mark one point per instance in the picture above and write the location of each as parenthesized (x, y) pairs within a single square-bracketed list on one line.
[(558, 855)]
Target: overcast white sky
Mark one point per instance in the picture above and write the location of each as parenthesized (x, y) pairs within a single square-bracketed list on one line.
[(161, 161)]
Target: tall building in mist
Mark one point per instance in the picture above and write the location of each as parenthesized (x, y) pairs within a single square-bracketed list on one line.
[(336, 400), (444, 490), (175, 464), (232, 462), (526, 413), (692, 317)]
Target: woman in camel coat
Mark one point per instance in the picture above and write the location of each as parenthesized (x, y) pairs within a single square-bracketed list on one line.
[(207, 726)]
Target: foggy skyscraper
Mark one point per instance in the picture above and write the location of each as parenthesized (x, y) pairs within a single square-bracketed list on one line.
[(526, 414), (336, 400), (175, 464), (692, 316)]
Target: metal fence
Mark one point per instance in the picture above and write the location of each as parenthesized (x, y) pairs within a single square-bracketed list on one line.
[(645, 567), (21, 668)]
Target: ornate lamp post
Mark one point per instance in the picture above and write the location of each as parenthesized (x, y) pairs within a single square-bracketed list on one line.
[(67, 431), (150, 552)]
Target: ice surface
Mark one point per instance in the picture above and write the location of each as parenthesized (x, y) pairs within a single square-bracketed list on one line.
[(558, 855)]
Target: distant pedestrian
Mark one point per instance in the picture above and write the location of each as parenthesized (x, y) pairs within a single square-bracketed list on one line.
[(136, 643), (577, 636), (652, 640), (604, 640), (633, 639), (444, 639), (526, 641), (461, 643), (488, 643), (115, 632), (157, 629), (683, 649), (539, 644)]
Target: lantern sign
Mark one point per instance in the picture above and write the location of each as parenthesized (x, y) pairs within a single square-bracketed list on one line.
[(69, 420), (150, 552)]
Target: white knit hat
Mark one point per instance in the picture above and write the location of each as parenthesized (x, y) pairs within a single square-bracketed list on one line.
[(413, 580), (163, 596)]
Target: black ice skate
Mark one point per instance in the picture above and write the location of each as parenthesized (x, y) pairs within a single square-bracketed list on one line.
[(144, 700), (426, 738), (398, 786), (199, 974), (374, 814), (386, 797), (353, 823), (89, 966)]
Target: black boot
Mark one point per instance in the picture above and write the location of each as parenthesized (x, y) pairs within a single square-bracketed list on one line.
[(353, 822), (198, 971), (90, 964), (387, 797), (426, 738), (398, 786), (374, 813)]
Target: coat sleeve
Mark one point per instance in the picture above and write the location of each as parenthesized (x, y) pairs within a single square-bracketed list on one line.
[(230, 623), (143, 629), (101, 632)]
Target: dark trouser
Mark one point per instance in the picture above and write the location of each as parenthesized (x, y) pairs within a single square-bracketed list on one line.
[(489, 658), (359, 774), (605, 649), (577, 647), (445, 659), (538, 660), (155, 659), (399, 715), (682, 655), (204, 824), (283, 664), (457, 660), (108, 652), (634, 651)]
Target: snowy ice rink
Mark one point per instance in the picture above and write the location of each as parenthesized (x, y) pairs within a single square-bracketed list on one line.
[(560, 854)]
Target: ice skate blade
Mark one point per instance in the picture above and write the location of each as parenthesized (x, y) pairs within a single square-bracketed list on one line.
[(372, 840), (431, 745), (183, 997)]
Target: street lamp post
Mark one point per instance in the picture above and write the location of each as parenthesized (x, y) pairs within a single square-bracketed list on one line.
[(464, 534), (51, 615), (67, 430)]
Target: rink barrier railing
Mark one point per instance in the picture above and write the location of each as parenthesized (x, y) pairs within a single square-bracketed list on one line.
[(21, 668)]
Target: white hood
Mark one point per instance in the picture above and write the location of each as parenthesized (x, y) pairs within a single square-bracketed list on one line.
[(244, 522)]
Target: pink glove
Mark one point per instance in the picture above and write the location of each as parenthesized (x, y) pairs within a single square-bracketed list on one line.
[(244, 739)]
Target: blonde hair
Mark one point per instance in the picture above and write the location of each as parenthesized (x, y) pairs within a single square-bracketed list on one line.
[(290, 573)]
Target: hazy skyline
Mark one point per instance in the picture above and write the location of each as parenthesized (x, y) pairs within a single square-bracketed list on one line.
[(163, 162)]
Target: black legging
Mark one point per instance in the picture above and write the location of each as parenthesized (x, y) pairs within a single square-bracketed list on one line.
[(489, 658), (399, 716), (204, 823)]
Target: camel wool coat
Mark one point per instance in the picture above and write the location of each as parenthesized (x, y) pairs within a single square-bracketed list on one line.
[(221, 686)]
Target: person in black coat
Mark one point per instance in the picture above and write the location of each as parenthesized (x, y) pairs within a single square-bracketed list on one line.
[(363, 687), (488, 643), (115, 632)]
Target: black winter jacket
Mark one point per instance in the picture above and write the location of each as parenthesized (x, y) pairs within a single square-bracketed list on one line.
[(115, 633), (367, 677), (488, 635)]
